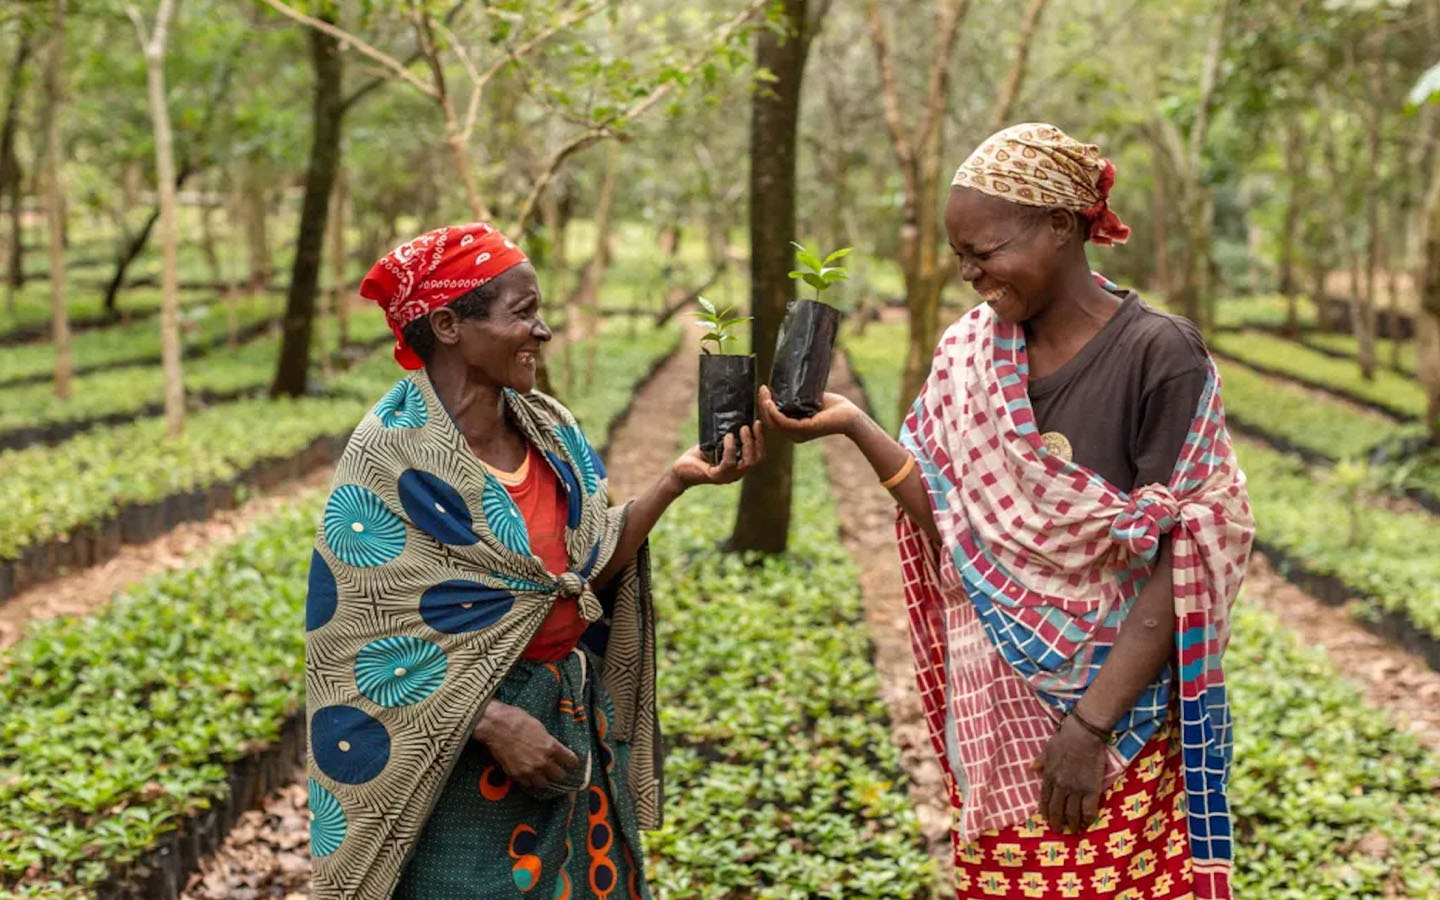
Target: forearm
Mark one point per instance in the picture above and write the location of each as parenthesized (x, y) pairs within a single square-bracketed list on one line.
[(1144, 646), (886, 456), (644, 512)]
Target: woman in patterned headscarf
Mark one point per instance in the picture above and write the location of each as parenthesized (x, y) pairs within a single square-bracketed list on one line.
[(1073, 530), (480, 643)]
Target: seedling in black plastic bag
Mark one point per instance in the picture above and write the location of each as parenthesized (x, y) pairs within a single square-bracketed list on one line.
[(727, 381), (807, 336)]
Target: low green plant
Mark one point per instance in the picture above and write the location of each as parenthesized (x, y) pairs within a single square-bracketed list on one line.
[(719, 325), (819, 273)]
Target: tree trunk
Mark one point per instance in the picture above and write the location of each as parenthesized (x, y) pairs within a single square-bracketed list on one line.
[(253, 212), (1428, 281), (600, 262), (763, 520), (339, 278), (1295, 172), (10, 166), (165, 181), (1375, 121), (291, 374), (217, 269), (55, 197), (1159, 211)]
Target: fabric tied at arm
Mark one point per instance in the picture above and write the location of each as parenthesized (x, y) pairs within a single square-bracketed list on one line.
[(1151, 513)]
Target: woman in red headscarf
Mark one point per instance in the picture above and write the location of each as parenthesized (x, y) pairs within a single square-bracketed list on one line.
[(480, 655), (1073, 530)]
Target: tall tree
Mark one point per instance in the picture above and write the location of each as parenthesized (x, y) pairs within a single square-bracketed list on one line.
[(10, 175), (292, 369), (153, 40), (55, 198), (917, 150), (763, 520)]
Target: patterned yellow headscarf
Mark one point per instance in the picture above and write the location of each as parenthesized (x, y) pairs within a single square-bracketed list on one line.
[(1036, 164)]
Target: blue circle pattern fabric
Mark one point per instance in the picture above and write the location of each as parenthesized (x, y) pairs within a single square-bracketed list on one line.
[(321, 595), (457, 606), (402, 407), (360, 530), (348, 744), (327, 830), (436, 508), (400, 670)]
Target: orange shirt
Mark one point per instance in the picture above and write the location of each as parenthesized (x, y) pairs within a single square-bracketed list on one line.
[(542, 504)]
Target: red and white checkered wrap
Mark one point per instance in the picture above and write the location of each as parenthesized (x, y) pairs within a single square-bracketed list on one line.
[(1047, 525)]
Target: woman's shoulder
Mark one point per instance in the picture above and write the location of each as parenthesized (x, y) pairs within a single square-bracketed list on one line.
[(1166, 344)]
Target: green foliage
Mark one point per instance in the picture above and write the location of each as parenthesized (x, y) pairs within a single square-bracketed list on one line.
[(1331, 800), (1328, 521), (817, 272), (201, 323), (783, 781), (1388, 389), (1305, 417), (719, 325)]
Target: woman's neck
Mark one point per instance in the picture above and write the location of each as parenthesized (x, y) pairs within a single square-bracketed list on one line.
[(476, 408), (1079, 309)]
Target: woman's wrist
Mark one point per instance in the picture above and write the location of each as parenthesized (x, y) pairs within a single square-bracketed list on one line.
[(490, 722), (671, 485)]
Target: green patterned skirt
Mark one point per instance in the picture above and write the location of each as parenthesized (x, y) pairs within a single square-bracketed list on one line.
[(491, 838)]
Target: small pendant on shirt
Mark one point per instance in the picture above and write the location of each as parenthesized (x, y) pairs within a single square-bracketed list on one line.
[(1057, 444)]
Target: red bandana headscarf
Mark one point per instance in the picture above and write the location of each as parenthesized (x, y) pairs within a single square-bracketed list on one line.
[(1039, 165), (429, 271)]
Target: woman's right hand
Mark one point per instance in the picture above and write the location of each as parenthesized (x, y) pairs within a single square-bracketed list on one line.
[(524, 749), (837, 415)]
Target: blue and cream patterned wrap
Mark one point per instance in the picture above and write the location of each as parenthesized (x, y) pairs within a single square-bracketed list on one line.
[(423, 593)]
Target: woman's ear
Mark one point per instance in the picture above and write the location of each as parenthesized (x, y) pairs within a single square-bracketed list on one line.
[(1065, 226), (446, 325)]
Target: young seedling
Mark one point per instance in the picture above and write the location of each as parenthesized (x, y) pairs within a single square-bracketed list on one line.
[(719, 325), (819, 273)]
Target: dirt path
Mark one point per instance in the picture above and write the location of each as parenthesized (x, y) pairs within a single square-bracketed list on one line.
[(867, 525), (1388, 677), (266, 856), (182, 547)]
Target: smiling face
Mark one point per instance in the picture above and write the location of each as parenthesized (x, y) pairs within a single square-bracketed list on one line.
[(1011, 254), (503, 346)]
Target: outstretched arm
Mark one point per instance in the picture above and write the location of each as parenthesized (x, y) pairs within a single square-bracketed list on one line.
[(690, 469), (837, 415)]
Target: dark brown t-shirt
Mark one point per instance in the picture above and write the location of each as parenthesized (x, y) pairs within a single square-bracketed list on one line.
[(1126, 401)]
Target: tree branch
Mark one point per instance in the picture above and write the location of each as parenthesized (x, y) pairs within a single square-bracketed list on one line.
[(611, 126), (1011, 92), (345, 37), (949, 14), (890, 93)]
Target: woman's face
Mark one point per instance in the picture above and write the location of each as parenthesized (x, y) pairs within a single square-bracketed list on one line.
[(1007, 252), (505, 345)]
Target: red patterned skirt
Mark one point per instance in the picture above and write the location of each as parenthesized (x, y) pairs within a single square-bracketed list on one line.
[(1138, 849)]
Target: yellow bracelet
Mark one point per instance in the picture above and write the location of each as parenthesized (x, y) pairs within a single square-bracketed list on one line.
[(899, 476)]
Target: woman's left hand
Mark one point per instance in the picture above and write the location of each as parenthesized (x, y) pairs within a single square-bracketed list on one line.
[(693, 468), (1074, 768)]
